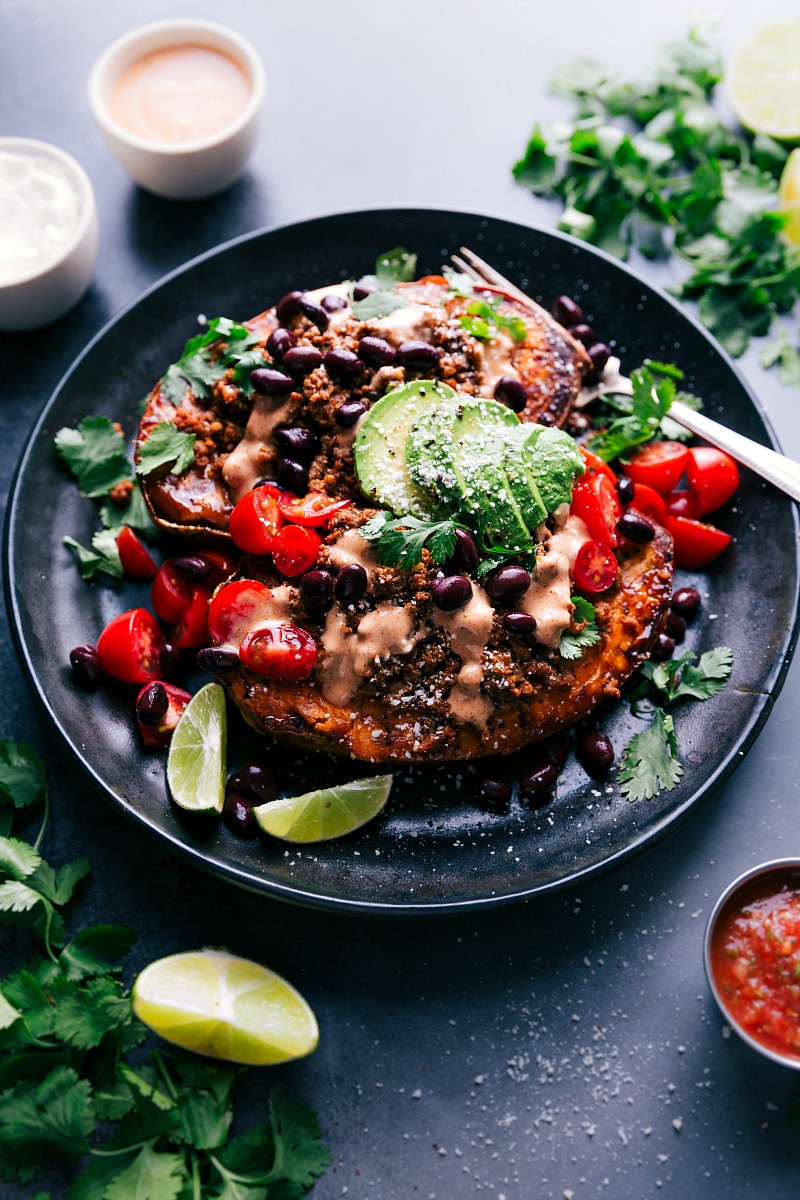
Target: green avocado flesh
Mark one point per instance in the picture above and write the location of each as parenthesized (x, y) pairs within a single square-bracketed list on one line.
[(556, 462)]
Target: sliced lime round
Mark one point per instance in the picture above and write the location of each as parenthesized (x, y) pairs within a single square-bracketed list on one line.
[(764, 81), (196, 760), (327, 813), (226, 1007)]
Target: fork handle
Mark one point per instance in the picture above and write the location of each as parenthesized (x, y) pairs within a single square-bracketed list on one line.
[(783, 472)]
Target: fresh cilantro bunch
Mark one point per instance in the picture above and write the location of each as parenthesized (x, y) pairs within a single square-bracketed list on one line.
[(153, 1126), (650, 164), (393, 267), (650, 759), (626, 422)]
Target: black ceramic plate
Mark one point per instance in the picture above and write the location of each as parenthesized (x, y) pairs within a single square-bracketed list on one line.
[(432, 849)]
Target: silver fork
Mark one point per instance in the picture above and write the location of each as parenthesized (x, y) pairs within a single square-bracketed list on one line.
[(779, 470)]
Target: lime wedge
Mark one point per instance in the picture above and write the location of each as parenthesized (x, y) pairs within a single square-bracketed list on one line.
[(789, 197), (328, 813), (764, 81), (226, 1007), (196, 761)]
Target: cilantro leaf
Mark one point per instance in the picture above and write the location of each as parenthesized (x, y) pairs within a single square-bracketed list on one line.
[(104, 555), (678, 679), (572, 645), (377, 304), (206, 358), (484, 320), (84, 1016), (134, 513), (17, 858), (93, 950), (56, 1112), (299, 1154), (22, 775), (151, 1175), (782, 351), (402, 539), (166, 444), (650, 760), (396, 266), (95, 453)]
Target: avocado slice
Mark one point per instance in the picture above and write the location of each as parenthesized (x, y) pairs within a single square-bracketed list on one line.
[(379, 451), (521, 479), (556, 462), (487, 496)]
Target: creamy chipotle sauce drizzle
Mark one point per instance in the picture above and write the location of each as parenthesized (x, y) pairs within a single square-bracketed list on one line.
[(382, 633), (245, 464), (469, 629), (548, 598)]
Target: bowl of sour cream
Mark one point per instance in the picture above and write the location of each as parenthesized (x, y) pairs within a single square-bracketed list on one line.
[(179, 104), (48, 233)]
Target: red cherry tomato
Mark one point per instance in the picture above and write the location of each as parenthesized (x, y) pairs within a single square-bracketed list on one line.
[(137, 561), (279, 651), (294, 549), (191, 629), (595, 568), (222, 563), (256, 519), (713, 477), (659, 465), (596, 466), (159, 735), (595, 501), (682, 504), (695, 542), (130, 647), (171, 594), (236, 607), (648, 501), (313, 509)]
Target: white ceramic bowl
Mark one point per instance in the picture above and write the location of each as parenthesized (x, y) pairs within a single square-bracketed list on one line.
[(185, 170), (56, 283)]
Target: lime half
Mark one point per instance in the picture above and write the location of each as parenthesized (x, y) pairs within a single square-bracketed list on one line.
[(764, 81), (789, 197), (226, 1007), (196, 761), (328, 813)]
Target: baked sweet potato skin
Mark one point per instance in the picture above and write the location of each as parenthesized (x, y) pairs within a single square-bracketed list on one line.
[(629, 616)]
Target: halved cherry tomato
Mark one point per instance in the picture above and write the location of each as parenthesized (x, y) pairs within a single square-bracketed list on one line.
[(659, 465), (648, 501), (137, 561), (595, 465), (279, 651), (696, 543), (130, 647), (256, 519), (171, 593), (713, 477), (313, 509), (595, 568), (595, 501), (191, 629), (682, 504), (159, 735), (294, 549), (236, 607)]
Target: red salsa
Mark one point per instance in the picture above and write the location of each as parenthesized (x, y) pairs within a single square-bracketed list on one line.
[(755, 961)]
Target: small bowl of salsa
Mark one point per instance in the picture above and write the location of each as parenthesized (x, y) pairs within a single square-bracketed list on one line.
[(752, 958)]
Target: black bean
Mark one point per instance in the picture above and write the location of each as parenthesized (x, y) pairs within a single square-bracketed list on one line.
[(85, 663), (279, 341), (257, 781), (493, 795), (269, 381), (520, 623), (536, 784), (192, 567), (169, 660), (333, 303), (567, 312), (625, 489), (663, 649), (511, 392), (152, 705), (595, 752), (288, 306), (507, 583), (584, 333), (297, 442), (316, 588), (465, 556), (375, 352), (675, 626), (451, 592), (348, 413), (217, 658), (315, 313), (599, 353), (238, 814), (636, 528), (293, 476), (363, 289), (302, 360), (351, 583), (686, 601), (417, 354), (342, 364)]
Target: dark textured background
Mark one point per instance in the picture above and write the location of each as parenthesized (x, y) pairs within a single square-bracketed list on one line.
[(546, 1050)]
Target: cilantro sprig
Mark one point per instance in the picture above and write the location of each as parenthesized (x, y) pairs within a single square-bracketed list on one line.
[(207, 357), (392, 267), (400, 540), (483, 318), (649, 164), (640, 417), (572, 645), (154, 1126)]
